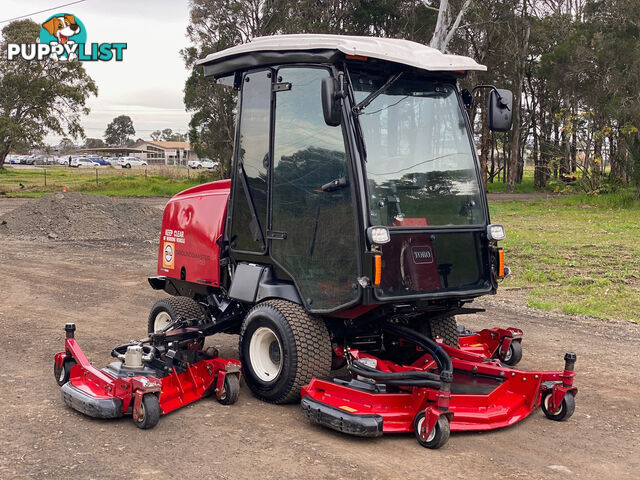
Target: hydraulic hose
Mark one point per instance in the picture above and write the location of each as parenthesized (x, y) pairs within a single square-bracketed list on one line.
[(441, 357), (423, 379), (411, 378)]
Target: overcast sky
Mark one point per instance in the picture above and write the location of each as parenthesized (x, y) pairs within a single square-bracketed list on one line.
[(148, 84)]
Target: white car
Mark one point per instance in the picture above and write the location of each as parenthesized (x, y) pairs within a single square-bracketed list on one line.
[(79, 162), (128, 162), (203, 163)]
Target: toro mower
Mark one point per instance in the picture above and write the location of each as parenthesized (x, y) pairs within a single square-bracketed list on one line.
[(151, 377), (355, 201)]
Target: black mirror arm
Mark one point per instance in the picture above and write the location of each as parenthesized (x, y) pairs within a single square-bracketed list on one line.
[(502, 104)]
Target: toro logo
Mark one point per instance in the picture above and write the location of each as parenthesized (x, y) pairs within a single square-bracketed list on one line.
[(168, 255), (422, 254)]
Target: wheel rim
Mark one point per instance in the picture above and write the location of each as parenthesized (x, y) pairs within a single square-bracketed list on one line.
[(141, 413), (509, 354), (161, 321), (265, 354), (432, 434), (62, 373), (547, 401)]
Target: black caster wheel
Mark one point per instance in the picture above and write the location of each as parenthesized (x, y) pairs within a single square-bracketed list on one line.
[(438, 436), (230, 390), (149, 412), (62, 373), (567, 407), (514, 355)]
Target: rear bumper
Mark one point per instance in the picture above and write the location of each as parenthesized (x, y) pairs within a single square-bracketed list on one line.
[(89, 405), (340, 420)]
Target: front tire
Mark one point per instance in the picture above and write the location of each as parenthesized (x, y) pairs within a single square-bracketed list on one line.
[(281, 349)]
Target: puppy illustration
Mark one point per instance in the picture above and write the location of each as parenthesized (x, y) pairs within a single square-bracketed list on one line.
[(62, 28)]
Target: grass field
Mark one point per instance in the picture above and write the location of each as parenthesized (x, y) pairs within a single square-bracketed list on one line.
[(577, 253), (574, 256), (141, 182)]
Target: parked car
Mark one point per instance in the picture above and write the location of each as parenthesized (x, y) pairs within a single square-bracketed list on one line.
[(128, 162), (83, 162), (203, 163), (100, 160)]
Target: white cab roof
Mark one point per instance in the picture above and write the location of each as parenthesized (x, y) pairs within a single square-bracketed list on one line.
[(390, 49)]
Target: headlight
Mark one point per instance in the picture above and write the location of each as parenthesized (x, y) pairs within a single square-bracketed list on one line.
[(495, 232), (378, 235)]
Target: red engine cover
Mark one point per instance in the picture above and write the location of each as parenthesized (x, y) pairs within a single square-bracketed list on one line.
[(192, 223)]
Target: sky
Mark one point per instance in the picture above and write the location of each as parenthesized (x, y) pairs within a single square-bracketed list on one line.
[(148, 84)]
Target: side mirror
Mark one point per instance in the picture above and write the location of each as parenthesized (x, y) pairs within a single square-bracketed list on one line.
[(331, 102), (500, 110)]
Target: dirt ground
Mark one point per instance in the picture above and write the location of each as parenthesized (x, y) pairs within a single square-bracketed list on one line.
[(102, 287)]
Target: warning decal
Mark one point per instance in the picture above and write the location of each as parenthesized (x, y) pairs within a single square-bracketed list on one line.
[(168, 254)]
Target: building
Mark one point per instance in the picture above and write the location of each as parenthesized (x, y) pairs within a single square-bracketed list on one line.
[(155, 153), (167, 153)]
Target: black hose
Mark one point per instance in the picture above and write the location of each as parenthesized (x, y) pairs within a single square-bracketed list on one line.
[(364, 370), (411, 378), (441, 357)]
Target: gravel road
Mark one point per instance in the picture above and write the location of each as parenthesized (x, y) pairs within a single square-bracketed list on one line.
[(102, 287)]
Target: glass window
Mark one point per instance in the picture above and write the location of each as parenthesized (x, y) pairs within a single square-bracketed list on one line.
[(320, 248), (420, 163), (250, 176)]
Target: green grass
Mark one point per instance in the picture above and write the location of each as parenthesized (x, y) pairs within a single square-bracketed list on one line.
[(526, 186), (141, 182), (576, 254)]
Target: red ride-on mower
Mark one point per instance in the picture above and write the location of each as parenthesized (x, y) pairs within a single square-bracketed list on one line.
[(445, 389), (152, 377)]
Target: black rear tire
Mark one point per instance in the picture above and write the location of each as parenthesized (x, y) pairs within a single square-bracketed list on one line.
[(282, 348), (443, 327), (174, 307), (150, 412), (231, 390)]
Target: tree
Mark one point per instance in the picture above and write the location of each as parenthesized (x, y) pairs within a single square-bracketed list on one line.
[(37, 97), (119, 131), (156, 135), (446, 28), (65, 145), (93, 143)]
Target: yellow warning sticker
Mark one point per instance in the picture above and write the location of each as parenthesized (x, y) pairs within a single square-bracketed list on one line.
[(348, 409), (168, 254)]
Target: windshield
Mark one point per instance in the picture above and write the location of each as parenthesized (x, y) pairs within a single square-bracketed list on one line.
[(420, 165)]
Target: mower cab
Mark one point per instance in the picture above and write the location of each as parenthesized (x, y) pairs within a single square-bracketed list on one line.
[(355, 200)]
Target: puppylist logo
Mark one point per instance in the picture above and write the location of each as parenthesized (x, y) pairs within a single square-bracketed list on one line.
[(63, 37)]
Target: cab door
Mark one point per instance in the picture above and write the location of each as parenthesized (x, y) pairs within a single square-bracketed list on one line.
[(313, 230)]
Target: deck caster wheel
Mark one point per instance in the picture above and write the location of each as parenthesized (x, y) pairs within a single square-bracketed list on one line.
[(567, 407), (62, 373), (437, 437), (230, 390), (149, 412), (514, 355)]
